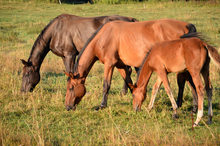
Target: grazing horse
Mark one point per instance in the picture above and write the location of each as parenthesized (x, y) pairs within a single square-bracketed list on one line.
[(189, 54), (118, 44), (65, 36)]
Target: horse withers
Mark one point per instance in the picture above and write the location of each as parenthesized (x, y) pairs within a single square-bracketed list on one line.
[(65, 36), (189, 54), (120, 44)]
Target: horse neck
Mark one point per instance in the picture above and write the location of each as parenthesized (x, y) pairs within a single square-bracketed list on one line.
[(38, 53), (144, 77), (85, 62)]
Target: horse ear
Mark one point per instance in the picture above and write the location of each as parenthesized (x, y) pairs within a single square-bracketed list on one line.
[(70, 74), (132, 87), (25, 63)]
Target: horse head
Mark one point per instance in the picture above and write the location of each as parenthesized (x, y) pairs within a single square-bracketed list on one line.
[(138, 97), (75, 91), (31, 77)]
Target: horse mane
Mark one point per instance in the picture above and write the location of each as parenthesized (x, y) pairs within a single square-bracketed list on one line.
[(40, 36), (145, 58), (85, 46)]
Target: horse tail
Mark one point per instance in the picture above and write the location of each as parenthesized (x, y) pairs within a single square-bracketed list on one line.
[(191, 27), (192, 32), (85, 46), (213, 53)]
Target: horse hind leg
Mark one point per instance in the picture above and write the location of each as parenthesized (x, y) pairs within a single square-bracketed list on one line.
[(199, 89), (208, 88), (181, 79)]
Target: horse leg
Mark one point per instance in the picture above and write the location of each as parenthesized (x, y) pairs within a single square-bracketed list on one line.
[(181, 84), (193, 90), (208, 88), (69, 61), (125, 73), (163, 76), (108, 71), (154, 93), (125, 87), (199, 89), (181, 79)]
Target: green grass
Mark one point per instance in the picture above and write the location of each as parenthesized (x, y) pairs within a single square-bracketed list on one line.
[(40, 118)]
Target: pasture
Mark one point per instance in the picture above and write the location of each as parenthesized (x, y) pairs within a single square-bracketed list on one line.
[(40, 117)]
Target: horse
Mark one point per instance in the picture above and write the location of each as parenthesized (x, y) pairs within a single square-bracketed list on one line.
[(65, 36), (119, 44), (191, 54)]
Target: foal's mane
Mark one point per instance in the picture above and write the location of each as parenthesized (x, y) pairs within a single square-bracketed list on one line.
[(145, 58), (85, 46)]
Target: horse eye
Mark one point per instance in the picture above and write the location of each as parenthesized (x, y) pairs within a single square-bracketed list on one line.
[(71, 88)]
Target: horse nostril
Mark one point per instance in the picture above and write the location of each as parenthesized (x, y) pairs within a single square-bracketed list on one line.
[(68, 108), (31, 90)]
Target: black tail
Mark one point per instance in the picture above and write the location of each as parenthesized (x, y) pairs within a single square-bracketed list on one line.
[(191, 28)]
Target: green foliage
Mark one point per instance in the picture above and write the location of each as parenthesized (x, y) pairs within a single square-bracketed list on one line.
[(40, 118)]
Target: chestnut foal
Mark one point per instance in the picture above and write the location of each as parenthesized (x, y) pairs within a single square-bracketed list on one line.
[(189, 54)]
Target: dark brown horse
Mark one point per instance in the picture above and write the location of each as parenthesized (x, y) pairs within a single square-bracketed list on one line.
[(189, 54), (65, 36), (119, 44)]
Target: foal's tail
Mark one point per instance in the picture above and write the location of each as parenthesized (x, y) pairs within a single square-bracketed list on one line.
[(213, 53)]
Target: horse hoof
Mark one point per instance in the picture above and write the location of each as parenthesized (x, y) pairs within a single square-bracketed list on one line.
[(195, 125), (100, 107), (124, 92), (209, 122), (175, 116), (194, 109)]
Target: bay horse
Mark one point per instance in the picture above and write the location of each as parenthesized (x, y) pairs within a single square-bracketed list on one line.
[(65, 36), (119, 44), (191, 54)]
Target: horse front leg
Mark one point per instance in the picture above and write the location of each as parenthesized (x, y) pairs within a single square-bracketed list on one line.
[(125, 86), (163, 75), (125, 73), (156, 87), (108, 71)]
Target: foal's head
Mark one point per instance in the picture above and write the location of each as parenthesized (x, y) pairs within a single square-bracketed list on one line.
[(31, 77), (75, 92), (138, 97)]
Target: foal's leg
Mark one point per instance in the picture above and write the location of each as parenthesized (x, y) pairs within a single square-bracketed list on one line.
[(208, 88), (199, 89), (108, 71), (125, 86), (154, 93), (163, 75)]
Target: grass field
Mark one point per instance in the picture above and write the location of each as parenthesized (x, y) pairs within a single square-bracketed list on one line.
[(40, 118)]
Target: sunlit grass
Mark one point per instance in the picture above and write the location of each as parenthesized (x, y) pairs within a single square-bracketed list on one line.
[(40, 117)]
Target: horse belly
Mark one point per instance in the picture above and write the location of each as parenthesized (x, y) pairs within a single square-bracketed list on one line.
[(131, 58), (177, 65)]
